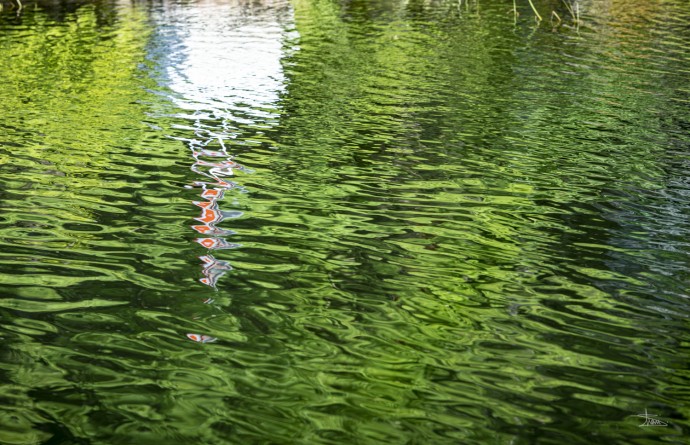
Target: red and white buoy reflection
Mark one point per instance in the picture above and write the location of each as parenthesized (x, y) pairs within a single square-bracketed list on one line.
[(217, 89), (199, 338), (213, 269), (211, 215)]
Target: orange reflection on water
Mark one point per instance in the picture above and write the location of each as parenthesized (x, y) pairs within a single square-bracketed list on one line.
[(212, 192)]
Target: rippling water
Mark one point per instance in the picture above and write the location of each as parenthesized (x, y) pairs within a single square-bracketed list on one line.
[(357, 222)]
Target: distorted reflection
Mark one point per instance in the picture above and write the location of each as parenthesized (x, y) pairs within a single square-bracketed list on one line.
[(199, 338), (212, 192), (213, 269), (225, 72)]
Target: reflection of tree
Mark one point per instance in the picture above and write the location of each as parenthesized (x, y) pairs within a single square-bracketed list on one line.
[(404, 90), (83, 212), (73, 128), (463, 162), (398, 87)]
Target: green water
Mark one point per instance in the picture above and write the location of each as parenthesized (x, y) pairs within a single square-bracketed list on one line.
[(323, 222)]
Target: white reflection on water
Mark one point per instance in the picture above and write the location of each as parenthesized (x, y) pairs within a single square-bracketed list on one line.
[(222, 63), (225, 57)]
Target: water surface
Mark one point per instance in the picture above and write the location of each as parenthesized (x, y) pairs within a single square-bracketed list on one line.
[(358, 222)]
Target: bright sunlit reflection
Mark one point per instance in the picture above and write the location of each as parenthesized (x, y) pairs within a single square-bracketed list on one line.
[(226, 55)]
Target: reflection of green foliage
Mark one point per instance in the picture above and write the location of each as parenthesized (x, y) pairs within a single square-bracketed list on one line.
[(456, 165), (66, 102), (73, 126), (73, 81), (432, 250)]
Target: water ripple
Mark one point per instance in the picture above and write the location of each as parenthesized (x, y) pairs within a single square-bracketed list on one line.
[(319, 222)]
